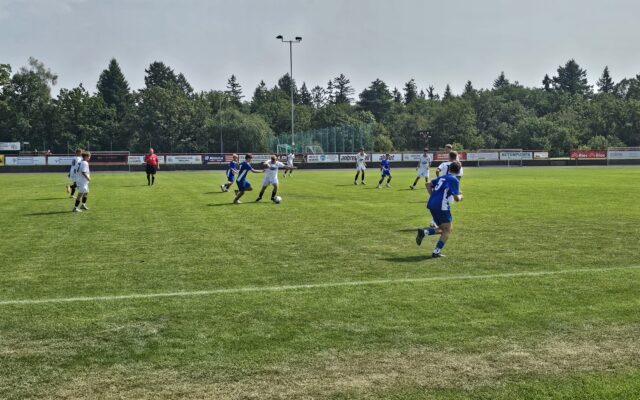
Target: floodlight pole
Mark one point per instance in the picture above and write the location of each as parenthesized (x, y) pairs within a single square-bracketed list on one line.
[(291, 42)]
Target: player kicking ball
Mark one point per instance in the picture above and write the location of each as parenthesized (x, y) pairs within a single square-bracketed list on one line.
[(423, 168), (438, 204), (361, 166), (271, 177), (232, 170), (242, 182), (83, 177), (385, 170)]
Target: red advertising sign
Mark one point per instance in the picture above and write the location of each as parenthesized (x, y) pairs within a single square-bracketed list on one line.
[(575, 154), (443, 156)]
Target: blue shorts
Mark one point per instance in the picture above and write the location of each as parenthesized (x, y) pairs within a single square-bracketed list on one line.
[(386, 173), (230, 177), (441, 216), (243, 185)]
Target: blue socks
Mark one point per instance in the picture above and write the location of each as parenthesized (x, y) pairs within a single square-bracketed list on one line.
[(439, 247)]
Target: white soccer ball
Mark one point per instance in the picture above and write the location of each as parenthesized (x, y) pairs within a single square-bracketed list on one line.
[(277, 199)]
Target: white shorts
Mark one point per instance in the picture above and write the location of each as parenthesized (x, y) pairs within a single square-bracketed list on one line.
[(266, 181), (290, 164), (84, 188), (423, 173), (361, 168)]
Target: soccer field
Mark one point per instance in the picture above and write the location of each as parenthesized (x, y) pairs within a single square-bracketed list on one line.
[(173, 292)]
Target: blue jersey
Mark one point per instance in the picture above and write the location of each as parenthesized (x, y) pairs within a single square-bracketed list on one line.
[(245, 167), (231, 168), (443, 187), (384, 164)]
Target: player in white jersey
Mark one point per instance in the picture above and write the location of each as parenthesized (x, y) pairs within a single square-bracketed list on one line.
[(83, 177), (443, 168), (71, 188), (423, 168), (361, 166), (271, 176), (290, 158)]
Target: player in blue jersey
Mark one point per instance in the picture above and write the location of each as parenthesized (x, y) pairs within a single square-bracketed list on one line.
[(385, 170), (243, 183), (231, 172), (440, 191)]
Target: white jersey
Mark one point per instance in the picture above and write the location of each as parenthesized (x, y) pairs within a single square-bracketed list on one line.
[(423, 165), (75, 163), (444, 169), (290, 158), (271, 172), (361, 160), (81, 180)]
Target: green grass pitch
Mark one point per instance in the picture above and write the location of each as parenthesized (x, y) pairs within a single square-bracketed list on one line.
[(539, 296)]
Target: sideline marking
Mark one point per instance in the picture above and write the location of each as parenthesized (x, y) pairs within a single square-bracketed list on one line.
[(311, 286)]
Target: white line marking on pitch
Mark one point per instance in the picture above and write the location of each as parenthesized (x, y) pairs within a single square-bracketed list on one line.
[(312, 286)]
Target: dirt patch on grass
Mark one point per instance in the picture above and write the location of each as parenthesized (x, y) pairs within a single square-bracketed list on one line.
[(331, 373)]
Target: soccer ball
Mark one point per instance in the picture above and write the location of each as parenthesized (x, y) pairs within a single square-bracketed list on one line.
[(277, 199)]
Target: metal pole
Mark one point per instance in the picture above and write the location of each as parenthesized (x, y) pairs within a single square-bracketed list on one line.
[(293, 142)]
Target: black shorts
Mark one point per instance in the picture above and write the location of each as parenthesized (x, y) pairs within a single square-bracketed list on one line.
[(151, 169)]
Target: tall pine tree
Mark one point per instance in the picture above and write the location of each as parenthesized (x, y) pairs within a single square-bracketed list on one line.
[(501, 81), (572, 79), (605, 83), (234, 90), (410, 91), (114, 88), (343, 90)]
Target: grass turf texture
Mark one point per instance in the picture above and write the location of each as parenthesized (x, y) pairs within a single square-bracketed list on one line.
[(569, 335)]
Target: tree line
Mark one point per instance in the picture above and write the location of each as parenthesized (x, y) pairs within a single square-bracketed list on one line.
[(565, 112)]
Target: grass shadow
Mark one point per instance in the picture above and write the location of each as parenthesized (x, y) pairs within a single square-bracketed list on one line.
[(47, 213), (414, 230), (408, 259), (50, 198)]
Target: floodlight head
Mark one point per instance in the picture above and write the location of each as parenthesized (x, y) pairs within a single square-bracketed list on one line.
[(298, 38), (279, 37)]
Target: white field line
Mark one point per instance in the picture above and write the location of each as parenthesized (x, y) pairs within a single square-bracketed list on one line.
[(314, 286)]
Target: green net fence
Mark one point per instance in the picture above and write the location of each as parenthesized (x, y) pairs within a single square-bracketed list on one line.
[(339, 139)]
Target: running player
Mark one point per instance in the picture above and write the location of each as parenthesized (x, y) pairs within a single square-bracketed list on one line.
[(442, 168), (271, 177), (290, 158), (361, 166), (71, 189), (423, 168), (385, 170), (232, 170), (152, 166), (83, 177), (440, 190), (242, 182)]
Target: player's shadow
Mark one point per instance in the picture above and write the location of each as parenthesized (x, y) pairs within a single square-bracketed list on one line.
[(50, 198), (47, 213), (226, 204), (348, 185), (408, 259), (414, 230), (218, 192)]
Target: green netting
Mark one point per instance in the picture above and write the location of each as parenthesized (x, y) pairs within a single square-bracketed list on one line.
[(339, 139)]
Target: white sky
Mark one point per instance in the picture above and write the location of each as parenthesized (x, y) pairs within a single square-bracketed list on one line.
[(435, 42)]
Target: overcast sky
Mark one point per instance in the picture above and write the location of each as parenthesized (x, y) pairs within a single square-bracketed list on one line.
[(435, 42)]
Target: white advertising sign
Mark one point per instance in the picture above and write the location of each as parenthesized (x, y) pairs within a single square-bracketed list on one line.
[(60, 160), (193, 159), (26, 160), (257, 158), (323, 158), (620, 154), (392, 157), (413, 156), (351, 157), (483, 156), (516, 155), (9, 146), (540, 155)]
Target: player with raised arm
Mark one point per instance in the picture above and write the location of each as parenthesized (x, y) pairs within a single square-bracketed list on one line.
[(385, 170), (440, 190), (423, 168), (152, 165), (290, 159), (242, 182), (83, 177), (361, 166), (271, 177), (71, 189), (231, 172)]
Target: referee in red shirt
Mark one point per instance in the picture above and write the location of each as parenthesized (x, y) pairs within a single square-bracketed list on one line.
[(152, 166)]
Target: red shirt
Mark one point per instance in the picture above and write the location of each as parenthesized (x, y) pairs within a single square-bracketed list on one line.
[(151, 160)]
